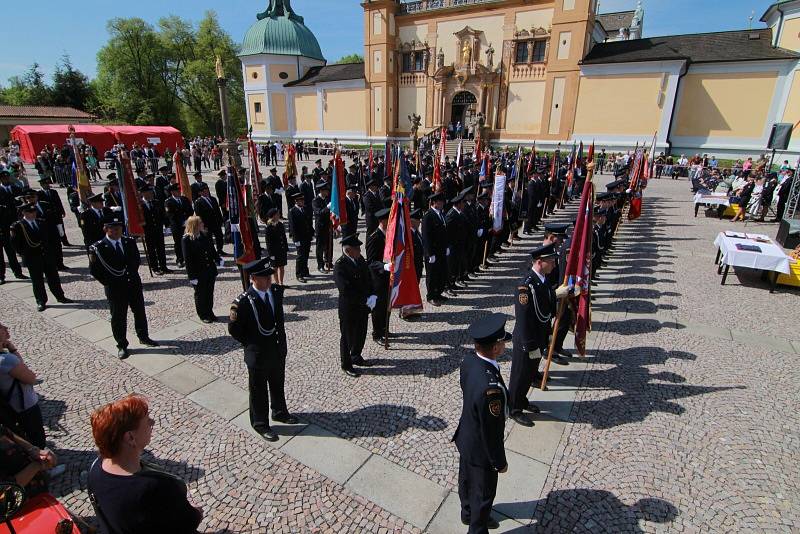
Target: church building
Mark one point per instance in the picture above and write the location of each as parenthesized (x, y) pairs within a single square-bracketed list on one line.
[(552, 71)]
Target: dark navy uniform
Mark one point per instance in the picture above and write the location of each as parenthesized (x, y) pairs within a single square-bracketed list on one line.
[(354, 282), (302, 233), (154, 218), (372, 204), (481, 428), (258, 324), (33, 243), (322, 229), (178, 209), (207, 208), (533, 308), (434, 240), (118, 270), (201, 267), (91, 221), (376, 243)]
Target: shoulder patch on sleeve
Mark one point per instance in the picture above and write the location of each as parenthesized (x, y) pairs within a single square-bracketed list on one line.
[(523, 296), (496, 407)]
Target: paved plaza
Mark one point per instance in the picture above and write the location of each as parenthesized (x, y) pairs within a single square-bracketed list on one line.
[(683, 418)]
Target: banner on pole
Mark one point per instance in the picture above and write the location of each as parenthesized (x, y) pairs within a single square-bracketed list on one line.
[(498, 199)]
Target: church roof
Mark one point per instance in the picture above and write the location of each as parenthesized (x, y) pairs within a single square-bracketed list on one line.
[(612, 22), (741, 45), (279, 30), (330, 73)]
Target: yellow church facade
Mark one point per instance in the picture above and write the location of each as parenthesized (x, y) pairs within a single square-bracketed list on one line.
[(527, 70)]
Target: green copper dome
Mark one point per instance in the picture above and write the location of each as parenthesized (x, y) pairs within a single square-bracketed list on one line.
[(280, 30)]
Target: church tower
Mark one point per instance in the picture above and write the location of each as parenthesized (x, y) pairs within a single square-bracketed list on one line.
[(277, 49), (380, 43), (573, 22)]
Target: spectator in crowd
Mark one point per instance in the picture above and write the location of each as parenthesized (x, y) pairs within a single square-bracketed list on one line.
[(130, 496), (23, 463), (16, 387)]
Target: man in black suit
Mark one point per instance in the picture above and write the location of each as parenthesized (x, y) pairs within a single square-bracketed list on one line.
[(457, 227), (534, 308), (372, 204), (303, 233), (291, 190), (356, 298), (34, 243), (207, 208), (8, 215), (351, 206), (322, 227), (154, 219), (46, 212), (481, 427), (221, 189), (264, 202), (112, 196), (274, 181), (197, 185), (114, 262), (178, 209), (317, 171), (51, 196), (484, 229), (307, 188), (162, 182), (376, 243), (92, 220), (434, 241), (257, 322)]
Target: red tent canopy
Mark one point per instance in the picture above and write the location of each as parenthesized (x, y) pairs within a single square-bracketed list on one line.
[(33, 138), (162, 137)]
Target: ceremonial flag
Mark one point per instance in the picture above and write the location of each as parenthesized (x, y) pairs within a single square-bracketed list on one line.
[(243, 249), (460, 150), (132, 209), (338, 189), (369, 170), (388, 163), (255, 170), (80, 176), (498, 199), (291, 165), (484, 169), (651, 160), (531, 161), (637, 169), (443, 147), (579, 260), (180, 173), (399, 249)]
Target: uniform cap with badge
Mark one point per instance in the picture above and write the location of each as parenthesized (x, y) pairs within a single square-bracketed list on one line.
[(351, 240), (113, 219), (489, 330), (558, 229), (261, 267), (545, 252)]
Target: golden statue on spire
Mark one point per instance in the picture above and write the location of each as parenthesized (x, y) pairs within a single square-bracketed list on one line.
[(220, 70)]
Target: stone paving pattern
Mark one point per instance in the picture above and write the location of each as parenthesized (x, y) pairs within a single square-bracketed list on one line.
[(675, 426)]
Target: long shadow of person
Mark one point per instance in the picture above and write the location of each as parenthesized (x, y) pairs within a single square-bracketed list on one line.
[(593, 511), (382, 420)]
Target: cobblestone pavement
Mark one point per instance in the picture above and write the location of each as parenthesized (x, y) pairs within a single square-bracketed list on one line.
[(678, 430), (677, 427)]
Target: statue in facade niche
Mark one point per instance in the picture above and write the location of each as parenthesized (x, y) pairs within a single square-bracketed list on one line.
[(490, 56), (466, 53), (415, 121), (440, 59)]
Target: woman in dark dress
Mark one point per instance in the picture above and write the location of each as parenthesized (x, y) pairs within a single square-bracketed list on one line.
[(277, 245), (129, 496), (201, 267)]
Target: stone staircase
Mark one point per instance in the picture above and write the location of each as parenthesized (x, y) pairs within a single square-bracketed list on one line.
[(468, 145)]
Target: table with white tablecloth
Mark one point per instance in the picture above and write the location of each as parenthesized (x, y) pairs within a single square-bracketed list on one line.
[(770, 258), (710, 199)]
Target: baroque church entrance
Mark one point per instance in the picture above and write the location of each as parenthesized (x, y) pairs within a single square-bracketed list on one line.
[(465, 106)]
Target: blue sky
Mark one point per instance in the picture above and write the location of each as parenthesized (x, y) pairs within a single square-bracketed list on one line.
[(43, 30)]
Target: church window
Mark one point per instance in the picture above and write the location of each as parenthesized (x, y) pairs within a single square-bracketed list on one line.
[(522, 52), (539, 48), (413, 61), (531, 51)]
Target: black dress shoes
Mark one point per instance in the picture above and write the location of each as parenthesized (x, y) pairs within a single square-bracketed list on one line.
[(532, 408), (267, 433), (560, 360), (521, 418), (123, 354), (491, 524), (40, 307), (286, 418), (351, 372), (20, 276), (148, 342)]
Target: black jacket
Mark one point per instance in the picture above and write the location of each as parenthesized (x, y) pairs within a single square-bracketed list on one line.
[(254, 325), (92, 225), (52, 197), (264, 203), (434, 235), (200, 256), (533, 309), (31, 244), (178, 210), (457, 226), (354, 282), (111, 270), (208, 210), (380, 278), (154, 217), (372, 203), (481, 428), (302, 231), (322, 217), (277, 246)]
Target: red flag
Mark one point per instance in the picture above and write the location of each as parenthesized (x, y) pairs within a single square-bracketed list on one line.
[(338, 189), (579, 262), (180, 173), (291, 166), (241, 233), (399, 250), (134, 219), (531, 161), (255, 170), (437, 175)]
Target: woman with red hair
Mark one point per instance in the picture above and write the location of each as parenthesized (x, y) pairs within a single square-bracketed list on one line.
[(128, 495)]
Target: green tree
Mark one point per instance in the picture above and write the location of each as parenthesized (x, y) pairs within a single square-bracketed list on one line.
[(29, 89), (70, 86), (351, 58)]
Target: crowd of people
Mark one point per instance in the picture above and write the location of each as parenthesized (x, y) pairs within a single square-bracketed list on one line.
[(455, 239)]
